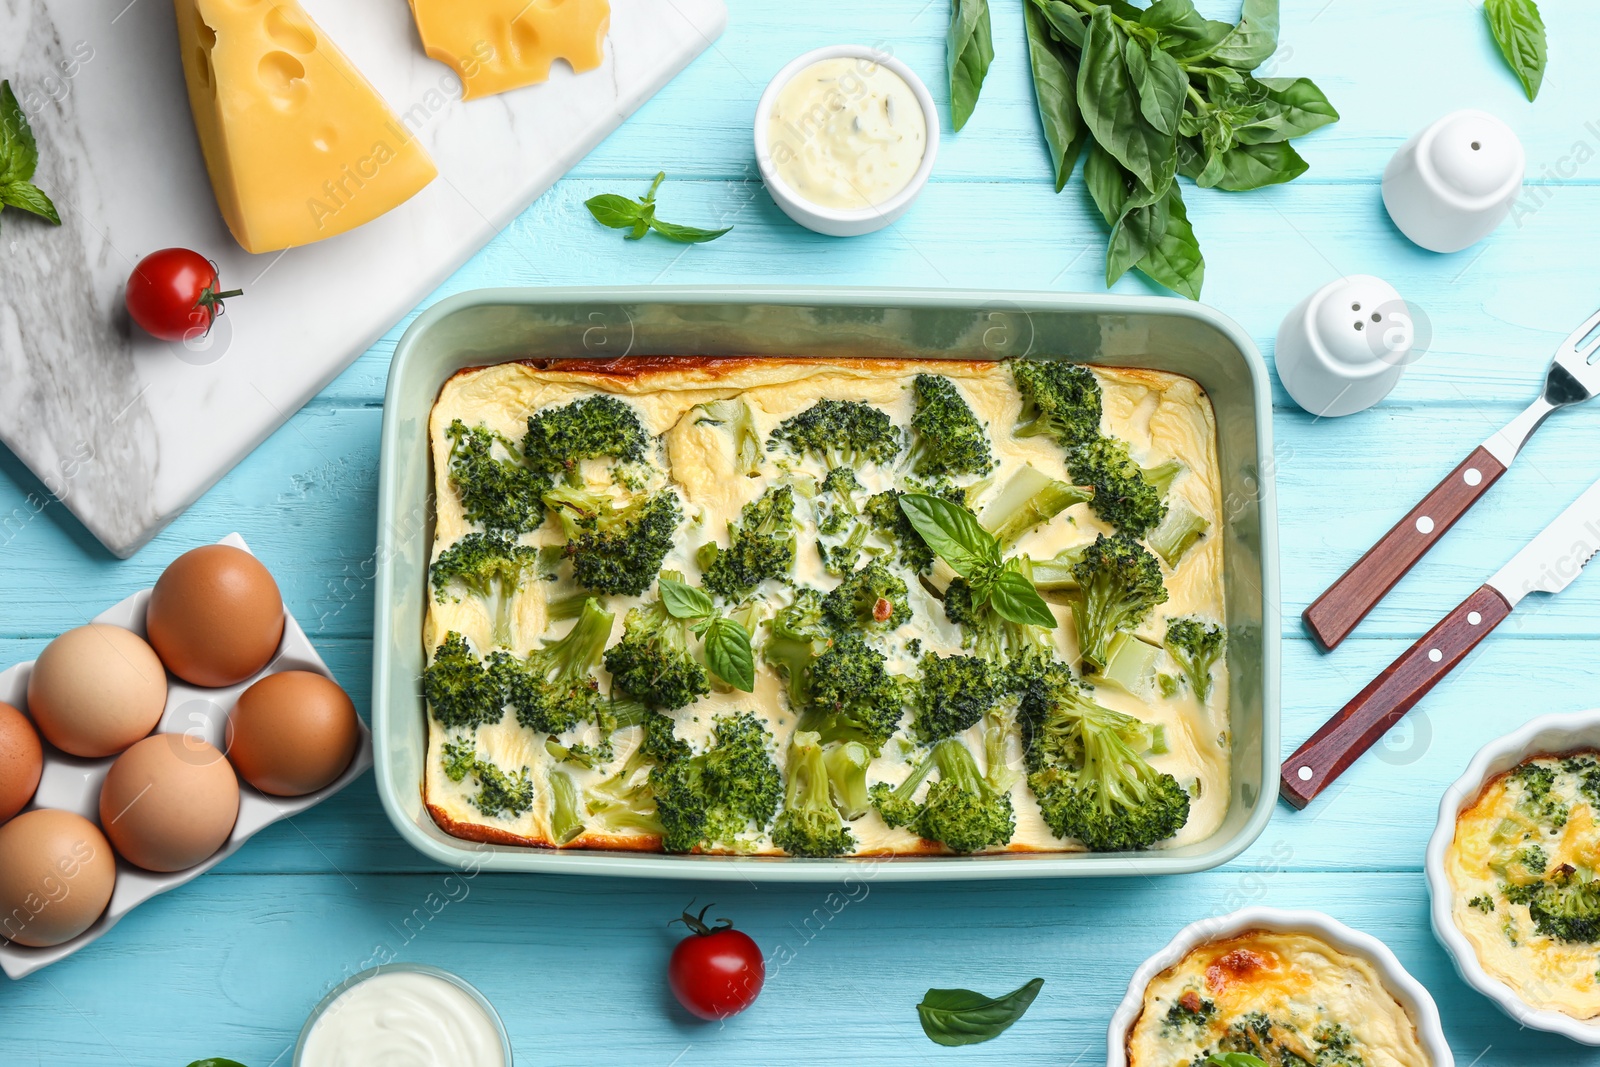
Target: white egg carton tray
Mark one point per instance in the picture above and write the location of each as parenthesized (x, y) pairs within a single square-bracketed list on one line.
[(73, 784)]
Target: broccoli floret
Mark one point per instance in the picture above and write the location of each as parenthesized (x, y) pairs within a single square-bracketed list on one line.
[(1567, 909), (840, 433), (497, 492), (1061, 400), (954, 693), (842, 528), (1587, 771), (1119, 584), (809, 824), (761, 545), (1124, 494), (872, 599), (1092, 781), (1190, 1010), (1538, 801), (627, 800), (498, 792), (847, 778), (962, 810), (987, 632), (1196, 645), (491, 568), (947, 440), (1031, 498), (717, 796), (1484, 903), (796, 636), (553, 688), (459, 688), (734, 416), (617, 547), (1533, 859), (853, 695), (652, 661), (889, 522), (594, 427)]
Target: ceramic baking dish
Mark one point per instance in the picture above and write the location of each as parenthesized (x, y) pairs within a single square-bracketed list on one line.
[(496, 325), (1544, 736)]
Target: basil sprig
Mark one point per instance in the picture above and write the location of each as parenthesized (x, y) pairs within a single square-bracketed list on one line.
[(969, 49), (639, 216), (728, 644), (1519, 31), (1150, 93), (956, 537), (961, 1017), (19, 158)]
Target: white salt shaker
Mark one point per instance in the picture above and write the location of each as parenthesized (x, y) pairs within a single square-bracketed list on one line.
[(1450, 185), (1343, 348)]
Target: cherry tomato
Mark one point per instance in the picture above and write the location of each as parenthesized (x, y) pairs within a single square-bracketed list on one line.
[(174, 294), (716, 971)]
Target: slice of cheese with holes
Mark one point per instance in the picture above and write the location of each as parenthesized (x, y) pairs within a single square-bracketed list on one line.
[(496, 45), (299, 145)]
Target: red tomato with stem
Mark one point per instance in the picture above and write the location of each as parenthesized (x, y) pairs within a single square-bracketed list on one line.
[(174, 294), (716, 971)]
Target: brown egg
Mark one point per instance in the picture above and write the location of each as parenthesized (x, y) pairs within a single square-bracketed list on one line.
[(215, 616), (96, 690), (293, 733), (56, 877), (21, 761), (169, 802)]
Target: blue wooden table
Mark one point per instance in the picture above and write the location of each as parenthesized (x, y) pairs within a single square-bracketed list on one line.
[(231, 964)]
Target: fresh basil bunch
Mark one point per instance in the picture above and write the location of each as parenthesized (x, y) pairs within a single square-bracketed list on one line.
[(1147, 94)]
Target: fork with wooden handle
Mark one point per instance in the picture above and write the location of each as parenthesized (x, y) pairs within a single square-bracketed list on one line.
[(1572, 379)]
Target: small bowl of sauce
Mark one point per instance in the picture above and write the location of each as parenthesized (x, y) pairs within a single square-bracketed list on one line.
[(846, 137), (403, 1015)]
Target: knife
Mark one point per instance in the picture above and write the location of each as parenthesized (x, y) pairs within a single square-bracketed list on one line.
[(1548, 564)]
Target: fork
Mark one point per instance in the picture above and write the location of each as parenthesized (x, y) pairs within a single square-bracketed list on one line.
[(1573, 377)]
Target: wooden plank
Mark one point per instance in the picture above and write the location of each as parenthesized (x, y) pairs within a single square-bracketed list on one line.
[(576, 967)]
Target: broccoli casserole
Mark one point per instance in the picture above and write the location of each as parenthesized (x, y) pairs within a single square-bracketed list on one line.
[(825, 607), (1522, 870)]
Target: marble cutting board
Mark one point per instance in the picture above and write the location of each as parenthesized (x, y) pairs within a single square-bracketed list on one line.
[(128, 431)]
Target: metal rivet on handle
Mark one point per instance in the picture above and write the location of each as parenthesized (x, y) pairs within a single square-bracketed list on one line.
[(1305, 774), (1434, 655), (1473, 476), (1473, 618), (1425, 525)]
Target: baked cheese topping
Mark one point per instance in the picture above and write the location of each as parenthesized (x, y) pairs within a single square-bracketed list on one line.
[(1290, 999), (1522, 871), (1161, 416)]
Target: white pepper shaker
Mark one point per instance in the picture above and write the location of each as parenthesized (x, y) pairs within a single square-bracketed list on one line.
[(1343, 348), (1449, 186)]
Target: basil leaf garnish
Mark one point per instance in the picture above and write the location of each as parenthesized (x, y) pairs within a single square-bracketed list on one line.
[(962, 1017)]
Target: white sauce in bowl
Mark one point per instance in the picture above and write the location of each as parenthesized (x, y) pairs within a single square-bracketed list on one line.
[(403, 1019), (847, 133)]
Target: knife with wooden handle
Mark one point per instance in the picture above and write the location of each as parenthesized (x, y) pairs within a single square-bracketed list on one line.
[(1571, 379), (1548, 564)]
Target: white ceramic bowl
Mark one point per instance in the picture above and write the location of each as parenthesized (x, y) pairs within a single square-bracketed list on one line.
[(413, 968), (1406, 990), (836, 222), (1548, 735)]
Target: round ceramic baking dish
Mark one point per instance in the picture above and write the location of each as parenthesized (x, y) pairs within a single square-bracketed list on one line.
[(838, 222), (1406, 990), (404, 968), (1548, 735)]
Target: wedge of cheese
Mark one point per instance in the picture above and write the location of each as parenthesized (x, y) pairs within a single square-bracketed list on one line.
[(496, 45), (299, 145)]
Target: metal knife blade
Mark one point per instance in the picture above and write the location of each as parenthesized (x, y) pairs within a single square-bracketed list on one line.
[(1552, 560)]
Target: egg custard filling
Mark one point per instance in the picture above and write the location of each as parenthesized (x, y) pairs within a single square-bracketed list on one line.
[(1289, 999), (1522, 871), (826, 607)]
